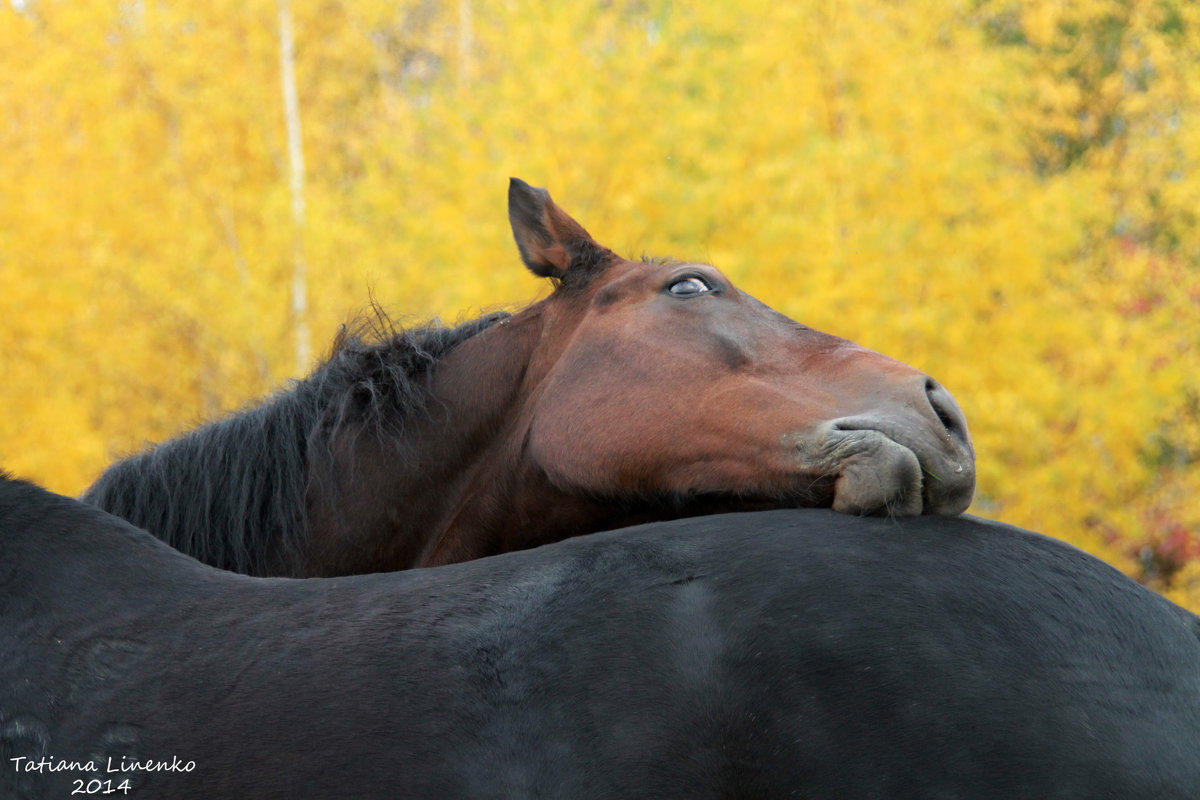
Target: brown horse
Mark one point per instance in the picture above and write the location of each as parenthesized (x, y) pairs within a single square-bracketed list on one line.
[(638, 390)]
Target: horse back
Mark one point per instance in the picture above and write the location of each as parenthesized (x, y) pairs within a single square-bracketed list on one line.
[(771, 654)]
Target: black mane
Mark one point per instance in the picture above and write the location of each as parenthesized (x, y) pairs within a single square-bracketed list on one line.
[(232, 493)]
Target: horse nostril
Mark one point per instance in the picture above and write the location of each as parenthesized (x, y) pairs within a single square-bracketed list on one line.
[(947, 412)]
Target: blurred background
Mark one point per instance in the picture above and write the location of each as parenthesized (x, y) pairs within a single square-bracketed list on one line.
[(1003, 193)]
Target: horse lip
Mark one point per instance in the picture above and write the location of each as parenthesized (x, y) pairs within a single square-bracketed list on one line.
[(957, 489), (885, 467)]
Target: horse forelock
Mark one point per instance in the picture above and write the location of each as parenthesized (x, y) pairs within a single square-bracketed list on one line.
[(588, 261), (591, 261), (661, 261), (233, 493)]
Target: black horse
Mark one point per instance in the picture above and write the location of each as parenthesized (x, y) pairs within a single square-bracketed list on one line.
[(771, 654)]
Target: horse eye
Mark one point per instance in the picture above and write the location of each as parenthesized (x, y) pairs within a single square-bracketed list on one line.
[(687, 287)]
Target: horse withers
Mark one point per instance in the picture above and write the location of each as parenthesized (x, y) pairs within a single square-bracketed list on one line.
[(637, 390), (794, 653)]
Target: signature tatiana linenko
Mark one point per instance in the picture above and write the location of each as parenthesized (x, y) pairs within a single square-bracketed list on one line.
[(123, 764)]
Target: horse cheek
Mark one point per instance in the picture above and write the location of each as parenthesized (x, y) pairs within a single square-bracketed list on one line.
[(578, 457)]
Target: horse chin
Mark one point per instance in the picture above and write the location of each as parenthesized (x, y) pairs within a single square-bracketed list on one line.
[(876, 475), (888, 482)]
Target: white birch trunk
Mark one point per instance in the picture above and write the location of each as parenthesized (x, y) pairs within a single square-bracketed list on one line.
[(291, 109), (465, 44)]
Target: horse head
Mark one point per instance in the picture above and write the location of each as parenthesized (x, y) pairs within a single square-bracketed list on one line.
[(652, 388), (658, 376)]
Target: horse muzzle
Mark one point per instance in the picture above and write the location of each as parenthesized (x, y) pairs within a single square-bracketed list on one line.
[(899, 461)]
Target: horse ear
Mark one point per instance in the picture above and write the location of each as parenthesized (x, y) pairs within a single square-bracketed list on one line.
[(552, 244)]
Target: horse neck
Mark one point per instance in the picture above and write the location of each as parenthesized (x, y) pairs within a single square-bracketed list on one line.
[(384, 504)]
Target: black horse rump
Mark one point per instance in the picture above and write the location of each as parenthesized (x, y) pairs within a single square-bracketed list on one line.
[(771, 654)]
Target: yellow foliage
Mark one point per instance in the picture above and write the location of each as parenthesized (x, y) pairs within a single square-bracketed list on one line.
[(1001, 193)]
